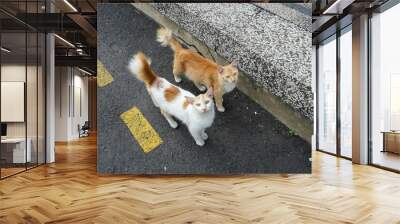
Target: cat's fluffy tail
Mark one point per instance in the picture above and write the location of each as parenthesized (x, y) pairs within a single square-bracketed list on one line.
[(164, 36), (139, 65)]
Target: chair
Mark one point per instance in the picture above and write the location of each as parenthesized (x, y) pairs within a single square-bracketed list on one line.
[(84, 130)]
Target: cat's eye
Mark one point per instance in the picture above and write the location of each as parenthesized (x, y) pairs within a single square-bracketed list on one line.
[(197, 104), (206, 102)]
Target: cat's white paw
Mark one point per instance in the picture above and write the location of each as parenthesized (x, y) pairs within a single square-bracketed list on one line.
[(204, 136), (200, 143), (221, 109), (202, 88), (178, 79), (173, 124)]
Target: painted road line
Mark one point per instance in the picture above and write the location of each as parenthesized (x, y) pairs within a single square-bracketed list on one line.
[(141, 129), (103, 76)]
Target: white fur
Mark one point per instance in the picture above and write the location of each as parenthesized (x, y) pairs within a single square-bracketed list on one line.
[(135, 66), (228, 86), (163, 36), (196, 121)]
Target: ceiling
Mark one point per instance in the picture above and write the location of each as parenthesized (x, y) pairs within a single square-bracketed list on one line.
[(16, 42), (332, 15), (74, 22)]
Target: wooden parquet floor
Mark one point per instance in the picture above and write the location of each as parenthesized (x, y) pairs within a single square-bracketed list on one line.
[(70, 191)]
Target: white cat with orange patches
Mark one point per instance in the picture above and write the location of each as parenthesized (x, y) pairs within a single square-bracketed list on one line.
[(197, 112), (202, 71)]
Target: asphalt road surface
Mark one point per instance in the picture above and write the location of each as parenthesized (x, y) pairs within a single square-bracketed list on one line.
[(243, 139)]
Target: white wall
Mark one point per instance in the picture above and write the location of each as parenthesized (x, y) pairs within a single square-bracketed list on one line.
[(12, 73), (33, 126), (79, 112), (13, 101), (70, 83), (62, 81)]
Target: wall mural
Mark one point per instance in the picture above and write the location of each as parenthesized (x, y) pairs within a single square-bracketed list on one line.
[(166, 109)]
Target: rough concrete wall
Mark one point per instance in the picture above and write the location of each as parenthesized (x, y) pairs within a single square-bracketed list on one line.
[(275, 52), (296, 13)]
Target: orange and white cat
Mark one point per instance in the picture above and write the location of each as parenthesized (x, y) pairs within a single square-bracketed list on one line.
[(197, 112), (202, 71)]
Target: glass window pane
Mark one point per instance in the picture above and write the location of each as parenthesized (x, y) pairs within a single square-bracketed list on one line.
[(327, 96), (23, 90), (385, 89), (346, 93), (13, 86), (31, 98), (41, 98)]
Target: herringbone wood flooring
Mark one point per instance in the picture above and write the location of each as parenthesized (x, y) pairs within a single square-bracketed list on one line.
[(70, 191)]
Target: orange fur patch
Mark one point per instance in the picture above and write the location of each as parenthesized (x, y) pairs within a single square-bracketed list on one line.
[(170, 93), (201, 70), (147, 75), (197, 68), (185, 104)]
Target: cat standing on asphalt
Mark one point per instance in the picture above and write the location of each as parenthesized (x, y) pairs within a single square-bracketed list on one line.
[(197, 112), (202, 71)]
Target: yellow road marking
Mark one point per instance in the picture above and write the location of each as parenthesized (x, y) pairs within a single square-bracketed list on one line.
[(103, 76), (141, 129)]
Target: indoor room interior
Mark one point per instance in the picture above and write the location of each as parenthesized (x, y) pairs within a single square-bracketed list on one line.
[(24, 51), (49, 148), (334, 69), (385, 89), (22, 101)]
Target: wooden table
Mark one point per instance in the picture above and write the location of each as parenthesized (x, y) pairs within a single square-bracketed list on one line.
[(391, 141), (17, 149)]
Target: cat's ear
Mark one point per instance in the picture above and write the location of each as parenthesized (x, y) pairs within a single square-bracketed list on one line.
[(149, 60), (234, 63), (210, 92), (220, 70), (189, 99)]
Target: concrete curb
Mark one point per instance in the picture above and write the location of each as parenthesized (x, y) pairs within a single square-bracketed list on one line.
[(273, 51), (296, 13), (300, 124)]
